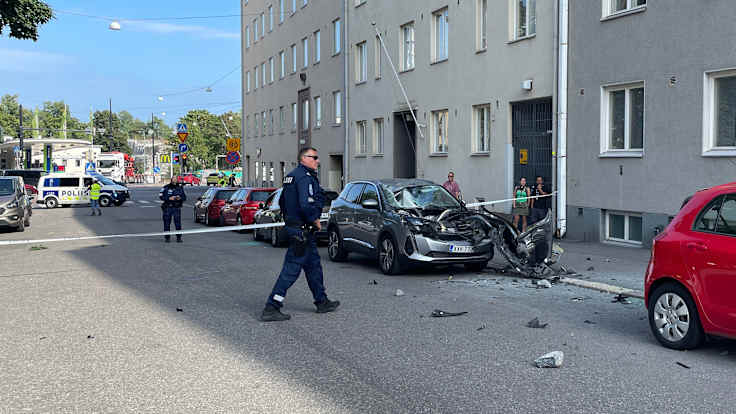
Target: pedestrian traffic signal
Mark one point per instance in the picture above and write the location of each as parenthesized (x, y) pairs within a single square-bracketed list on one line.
[(176, 158)]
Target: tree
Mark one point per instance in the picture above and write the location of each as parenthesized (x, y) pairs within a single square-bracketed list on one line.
[(9, 108), (207, 136), (112, 139), (51, 121), (23, 17)]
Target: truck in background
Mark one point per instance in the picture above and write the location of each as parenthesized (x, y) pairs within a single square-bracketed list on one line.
[(112, 165)]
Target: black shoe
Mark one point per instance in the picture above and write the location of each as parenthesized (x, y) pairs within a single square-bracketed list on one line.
[(167, 239), (272, 314), (179, 240), (327, 306), (93, 213)]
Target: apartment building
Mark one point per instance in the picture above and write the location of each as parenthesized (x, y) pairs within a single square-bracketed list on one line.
[(293, 87), (652, 113), (479, 76)]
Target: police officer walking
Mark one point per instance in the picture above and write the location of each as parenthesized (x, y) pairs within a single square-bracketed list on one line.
[(94, 197), (173, 196), (301, 204)]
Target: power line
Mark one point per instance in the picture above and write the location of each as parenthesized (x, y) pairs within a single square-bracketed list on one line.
[(202, 88), (148, 19)]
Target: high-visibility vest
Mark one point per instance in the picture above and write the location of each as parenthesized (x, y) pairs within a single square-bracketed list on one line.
[(94, 191)]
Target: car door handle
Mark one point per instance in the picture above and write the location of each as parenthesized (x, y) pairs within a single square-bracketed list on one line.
[(697, 246)]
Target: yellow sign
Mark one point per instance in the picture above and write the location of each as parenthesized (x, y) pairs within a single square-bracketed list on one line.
[(164, 159), (524, 156), (233, 144)]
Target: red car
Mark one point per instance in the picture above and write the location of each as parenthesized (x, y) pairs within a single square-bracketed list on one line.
[(190, 179), (690, 282), (243, 205), (213, 204), (31, 190)]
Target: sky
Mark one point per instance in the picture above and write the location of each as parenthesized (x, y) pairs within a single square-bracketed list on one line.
[(79, 60)]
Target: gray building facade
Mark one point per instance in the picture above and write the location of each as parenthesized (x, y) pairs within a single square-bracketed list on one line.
[(293, 87), (480, 77), (652, 112)]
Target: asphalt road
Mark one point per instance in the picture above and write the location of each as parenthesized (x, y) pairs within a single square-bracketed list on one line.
[(95, 326)]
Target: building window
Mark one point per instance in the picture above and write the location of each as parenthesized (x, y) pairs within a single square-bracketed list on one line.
[(281, 11), (624, 227), (361, 146), (247, 81), (263, 25), (439, 131), (377, 57), (264, 122), (719, 113), (305, 46), (270, 113), (255, 72), (305, 115), (481, 128), (407, 46), (317, 112), (247, 36), (256, 124), (525, 18), (282, 57), (263, 74), (293, 6), (481, 25), (622, 118), (293, 115), (337, 104), (618, 6), (270, 18), (293, 59), (378, 136), (271, 69), (282, 118), (336, 37), (360, 62), (440, 35), (317, 46)]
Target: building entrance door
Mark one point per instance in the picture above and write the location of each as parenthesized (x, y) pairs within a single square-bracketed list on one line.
[(405, 146), (532, 140)]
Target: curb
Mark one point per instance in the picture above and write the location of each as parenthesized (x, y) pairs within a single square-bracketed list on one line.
[(603, 287)]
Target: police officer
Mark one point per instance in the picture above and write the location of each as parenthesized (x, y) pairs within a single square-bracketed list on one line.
[(173, 197), (94, 197), (301, 204)]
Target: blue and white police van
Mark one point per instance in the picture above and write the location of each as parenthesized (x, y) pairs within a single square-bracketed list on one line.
[(64, 189)]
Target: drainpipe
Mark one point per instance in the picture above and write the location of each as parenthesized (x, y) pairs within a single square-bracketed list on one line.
[(243, 132), (562, 28), (346, 86)]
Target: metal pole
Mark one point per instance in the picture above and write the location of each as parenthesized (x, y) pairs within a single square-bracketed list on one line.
[(20, 138), (109, 133), (153, 149)]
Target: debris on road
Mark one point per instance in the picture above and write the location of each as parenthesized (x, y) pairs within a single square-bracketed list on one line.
[(534, 323), (590, 269), (589, 322), (179, 310), (682, 365), (577, 299), (621, 299), (90, 337), (399, 292), (373, 282), (37, 248), (42, 338), (482, 327), (588, 259), (608, 260), (544, 284), (551, 360), (442, 314)]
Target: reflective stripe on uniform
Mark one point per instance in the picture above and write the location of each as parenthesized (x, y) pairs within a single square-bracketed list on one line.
[(94, 192)]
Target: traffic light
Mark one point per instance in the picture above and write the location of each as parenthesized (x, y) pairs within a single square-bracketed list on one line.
[(176, 158), (184, 157)]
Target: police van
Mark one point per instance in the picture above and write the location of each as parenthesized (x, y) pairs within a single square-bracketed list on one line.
[(61, 189)]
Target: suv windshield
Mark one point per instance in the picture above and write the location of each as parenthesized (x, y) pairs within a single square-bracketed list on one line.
[(104, 180), (6, 187), (224, 194), (428, 197)]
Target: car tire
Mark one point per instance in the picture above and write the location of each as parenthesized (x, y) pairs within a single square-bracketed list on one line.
[(105, 201), (275, 237), (256, 236), (51, 202), (221, 221), (239, 222), (196, 219), (119, 203), (21, 226), (388, 256), (335, 247), (667, 302), (475, 267)]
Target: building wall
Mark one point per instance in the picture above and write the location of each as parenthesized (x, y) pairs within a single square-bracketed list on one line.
[(323, 78), (466, 78), (669, 49)]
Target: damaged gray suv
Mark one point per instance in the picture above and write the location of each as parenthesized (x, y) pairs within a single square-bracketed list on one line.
[(405, 221)]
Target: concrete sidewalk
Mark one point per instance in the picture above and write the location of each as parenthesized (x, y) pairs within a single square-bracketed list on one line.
[(605, 263)]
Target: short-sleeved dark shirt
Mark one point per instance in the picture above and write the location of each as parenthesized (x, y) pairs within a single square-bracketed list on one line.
[(543, 203)]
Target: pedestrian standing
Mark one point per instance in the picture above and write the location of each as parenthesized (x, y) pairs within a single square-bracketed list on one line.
[(540, 206), (232, 180), (301, 204), (520, 206), (222, 181), (173, 196), (94, 197), (452, 186)]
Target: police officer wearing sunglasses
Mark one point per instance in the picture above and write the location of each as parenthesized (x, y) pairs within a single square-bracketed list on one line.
[(301, 204)]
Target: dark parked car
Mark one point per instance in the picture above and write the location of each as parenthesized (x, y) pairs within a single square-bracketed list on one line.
[(690, 282), (15, 205), (30, 176), (270, 212), (208, 206)]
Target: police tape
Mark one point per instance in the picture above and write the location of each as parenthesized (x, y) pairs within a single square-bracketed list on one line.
[(487, 203)]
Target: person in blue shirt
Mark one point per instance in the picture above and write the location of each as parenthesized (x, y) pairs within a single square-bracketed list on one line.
[(173, 197), (301, 204)]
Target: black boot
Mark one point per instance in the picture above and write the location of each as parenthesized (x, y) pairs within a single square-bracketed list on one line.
[(178, 238), (327, 306), (273, 314), (167, 239)]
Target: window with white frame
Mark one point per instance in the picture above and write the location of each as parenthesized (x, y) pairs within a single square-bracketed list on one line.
[(439, 131), (263, 74), (270, 115), (282, 12), (377, 58), (247, 81), (378, 136), (622, 118), (719, 113), (293, 59), (256, 124), (361, 144), (481, 25), (282, 57), (263, 25), (247, 36), (282, 118), (271, 69), (305, 115), (525, 18), (407, 46), (317, 46), (360, 62), (317, 112), (257, 78), (440, 35), (264, 123), (305, 47), (624, 227), (481, 128), (270, 18), (294, 115), (337, 104), (336, 37), (618, 6)]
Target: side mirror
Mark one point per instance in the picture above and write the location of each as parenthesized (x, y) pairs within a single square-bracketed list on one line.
[(229, 201), (331, 195), (261, 206), (370, 204)]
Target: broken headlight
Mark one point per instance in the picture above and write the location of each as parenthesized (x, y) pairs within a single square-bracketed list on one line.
[(418, 225)]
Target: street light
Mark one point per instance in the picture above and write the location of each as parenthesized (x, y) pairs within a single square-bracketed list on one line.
[(115, 25)]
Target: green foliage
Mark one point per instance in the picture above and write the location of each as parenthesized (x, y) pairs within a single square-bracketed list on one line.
[(9, 108), (23, 17), (207, 136)]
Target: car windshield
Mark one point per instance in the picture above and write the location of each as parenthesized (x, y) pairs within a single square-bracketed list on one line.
[(428, 197), (104, 180), (107, 163), (6, 187), (259, 195), (224, 194)]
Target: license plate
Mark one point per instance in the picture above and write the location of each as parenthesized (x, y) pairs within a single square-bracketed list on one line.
[(324, 216), (461, 249)]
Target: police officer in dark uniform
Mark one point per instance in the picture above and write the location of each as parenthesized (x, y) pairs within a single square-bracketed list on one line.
[(173, 197), (301, 204)]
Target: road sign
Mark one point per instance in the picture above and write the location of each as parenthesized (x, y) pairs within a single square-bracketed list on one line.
[(175, 158), (156, 170), (233, 144), (233, 157), (16, 149), (181, 128), (183, 147), (523, 156), (182, 136)]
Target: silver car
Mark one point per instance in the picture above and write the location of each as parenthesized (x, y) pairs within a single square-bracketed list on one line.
[(405, 221), (15, 206)]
